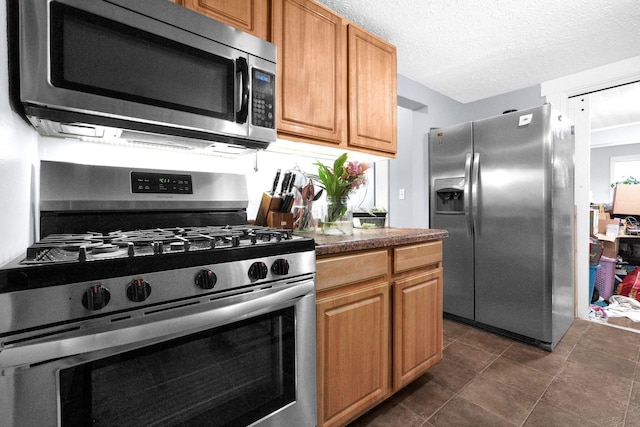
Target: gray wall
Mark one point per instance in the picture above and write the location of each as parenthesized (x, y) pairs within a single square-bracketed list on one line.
[(408, 171), (517, 100), (601, 169), (420, 109)]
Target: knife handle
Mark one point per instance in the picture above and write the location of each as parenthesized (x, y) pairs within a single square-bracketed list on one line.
[(275, 182), (285, 182), (292, 182)]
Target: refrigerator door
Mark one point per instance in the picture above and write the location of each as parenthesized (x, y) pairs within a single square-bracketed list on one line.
[(450, 149), (513, 238)]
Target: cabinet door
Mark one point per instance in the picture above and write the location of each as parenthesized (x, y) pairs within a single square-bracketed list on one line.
[(251, 16), (353, 339), (373, 100), (417, 325), (311, 71)]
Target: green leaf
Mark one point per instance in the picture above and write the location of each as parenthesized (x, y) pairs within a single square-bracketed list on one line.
[(338, 165)]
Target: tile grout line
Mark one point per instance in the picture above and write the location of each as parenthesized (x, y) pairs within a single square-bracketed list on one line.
[(457, 393), (572, 344), (520, 364), (633, 384), (573, 347), (454, 394), (555, 375)]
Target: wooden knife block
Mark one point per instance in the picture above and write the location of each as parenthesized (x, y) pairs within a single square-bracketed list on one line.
[(268, 204), (280, 220)]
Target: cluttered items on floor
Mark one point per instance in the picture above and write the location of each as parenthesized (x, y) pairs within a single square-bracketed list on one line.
[(614, 258), (615, 287)]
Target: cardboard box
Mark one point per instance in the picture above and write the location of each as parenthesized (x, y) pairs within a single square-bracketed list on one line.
[(610, 248), (602, 224), (626, 199)]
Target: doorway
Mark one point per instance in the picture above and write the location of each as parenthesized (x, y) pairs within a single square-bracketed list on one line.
[(615, 158), (565, 93)]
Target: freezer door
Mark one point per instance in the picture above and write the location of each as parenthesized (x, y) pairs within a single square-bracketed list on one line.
[(448, 150), (513, 235)]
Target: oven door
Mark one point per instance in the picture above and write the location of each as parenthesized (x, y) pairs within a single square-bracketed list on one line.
[(243, 360), (144, 67)]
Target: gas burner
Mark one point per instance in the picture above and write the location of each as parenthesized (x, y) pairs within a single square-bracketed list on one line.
[(70, 242), (144, 237), (104, 248), (105, 251), (179, 246), (61, 247)]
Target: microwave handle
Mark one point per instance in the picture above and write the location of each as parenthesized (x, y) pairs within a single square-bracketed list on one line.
[(243, 69)]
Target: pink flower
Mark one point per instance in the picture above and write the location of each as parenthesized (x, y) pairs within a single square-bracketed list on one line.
[(355, 169)]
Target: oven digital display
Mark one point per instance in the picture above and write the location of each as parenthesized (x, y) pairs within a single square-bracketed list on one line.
[(156, 183)]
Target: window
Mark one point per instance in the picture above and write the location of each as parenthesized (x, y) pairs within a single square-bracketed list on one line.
[(623, 167)]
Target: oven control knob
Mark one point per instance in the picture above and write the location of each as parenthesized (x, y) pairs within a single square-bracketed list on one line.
[(258, 270), (96, 297), (280, 267), (138, 290), (206, 279)]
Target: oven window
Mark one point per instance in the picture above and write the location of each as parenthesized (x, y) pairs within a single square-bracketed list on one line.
[(232, 375), (97, 55)]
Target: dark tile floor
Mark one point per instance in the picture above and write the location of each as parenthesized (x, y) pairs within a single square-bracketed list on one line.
[(591, 379)]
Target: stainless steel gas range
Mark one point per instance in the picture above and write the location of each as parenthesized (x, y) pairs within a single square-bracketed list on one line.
[(166, 309)]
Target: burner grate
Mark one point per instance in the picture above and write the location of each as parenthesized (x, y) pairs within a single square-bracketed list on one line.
[(148, 242)]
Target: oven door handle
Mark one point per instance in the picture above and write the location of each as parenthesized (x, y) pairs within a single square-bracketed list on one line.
[(157, 331)]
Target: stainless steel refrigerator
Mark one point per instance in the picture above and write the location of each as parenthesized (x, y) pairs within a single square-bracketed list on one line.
[(504, 189)]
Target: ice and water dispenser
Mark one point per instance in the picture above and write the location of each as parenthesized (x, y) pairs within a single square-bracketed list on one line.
[(449, 195)]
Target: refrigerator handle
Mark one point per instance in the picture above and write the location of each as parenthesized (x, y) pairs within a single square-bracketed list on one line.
[(467, 194), (475, 195)]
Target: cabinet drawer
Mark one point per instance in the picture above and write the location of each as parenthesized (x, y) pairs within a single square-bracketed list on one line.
[(344, 270), (406, 258)]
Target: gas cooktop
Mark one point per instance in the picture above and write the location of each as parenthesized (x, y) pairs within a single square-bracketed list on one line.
[(89, 274), (59, 259), (58, 248)]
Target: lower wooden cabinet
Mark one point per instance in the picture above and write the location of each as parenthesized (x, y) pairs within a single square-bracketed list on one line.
[(417, 325), (354, 347), (379, 325)]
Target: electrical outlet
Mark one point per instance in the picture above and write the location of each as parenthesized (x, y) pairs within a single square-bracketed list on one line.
[(401, 194)]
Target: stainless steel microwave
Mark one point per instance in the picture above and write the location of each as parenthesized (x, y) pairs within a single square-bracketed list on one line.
[(146, 71)]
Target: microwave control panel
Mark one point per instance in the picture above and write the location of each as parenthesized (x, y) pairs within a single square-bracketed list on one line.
[(144, 182), (263, 100)]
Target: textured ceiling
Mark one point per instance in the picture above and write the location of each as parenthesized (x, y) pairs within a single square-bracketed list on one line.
[(474, 49)]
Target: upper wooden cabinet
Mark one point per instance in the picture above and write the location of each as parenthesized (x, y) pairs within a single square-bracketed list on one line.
[(373, 104), (251, 16), (312, 83), (337, 82)]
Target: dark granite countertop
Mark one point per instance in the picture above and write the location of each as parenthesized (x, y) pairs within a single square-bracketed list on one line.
[(372, 238)]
